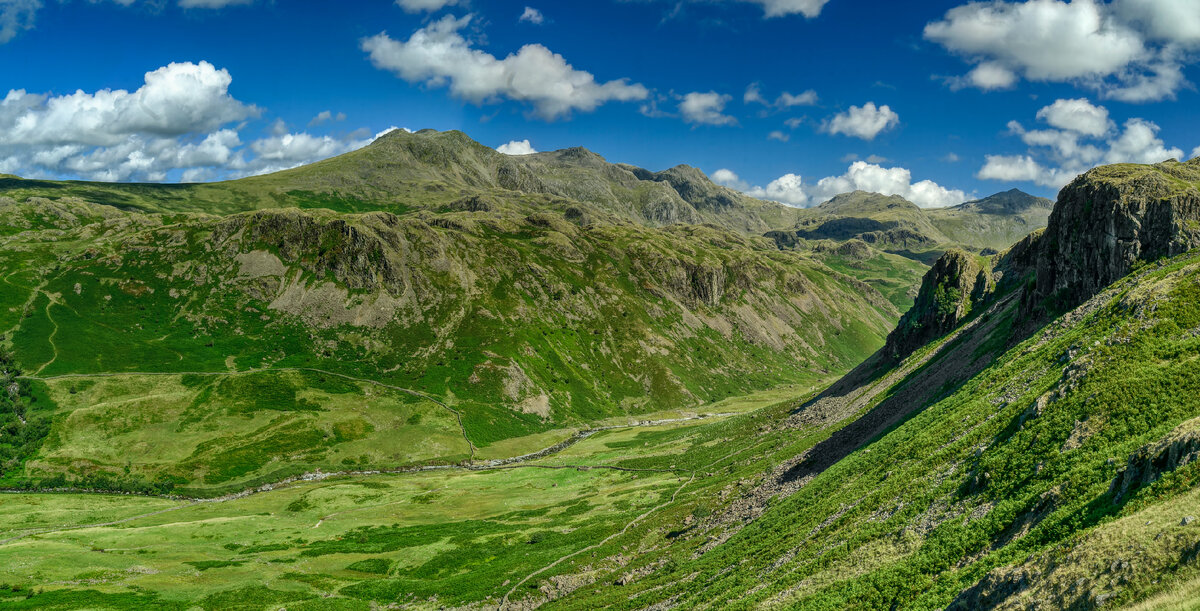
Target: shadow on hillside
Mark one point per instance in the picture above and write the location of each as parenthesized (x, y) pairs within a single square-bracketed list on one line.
[(941, 376)]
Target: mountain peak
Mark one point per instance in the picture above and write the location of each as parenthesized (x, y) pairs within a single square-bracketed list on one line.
[(865, 201), (576, 154), (1013, 201)]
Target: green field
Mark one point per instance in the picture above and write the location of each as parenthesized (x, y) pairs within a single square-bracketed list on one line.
[(440, 537)]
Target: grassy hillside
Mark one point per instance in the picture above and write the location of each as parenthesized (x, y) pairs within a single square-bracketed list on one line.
[(995, 222), (1007, 488), (427, 374), (516, 321), (1026, 458)]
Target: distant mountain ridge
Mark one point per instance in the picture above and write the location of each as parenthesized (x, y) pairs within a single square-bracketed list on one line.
[(432, 170), (1013, 201), (894, 224)]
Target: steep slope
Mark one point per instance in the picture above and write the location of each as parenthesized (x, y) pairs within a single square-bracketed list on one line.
[(500, 324), (1002, 464)]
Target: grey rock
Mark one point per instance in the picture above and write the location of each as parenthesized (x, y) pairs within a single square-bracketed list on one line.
[(1110, 219)]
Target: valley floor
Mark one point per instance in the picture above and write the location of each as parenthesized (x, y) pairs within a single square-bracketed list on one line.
[(504, 530)]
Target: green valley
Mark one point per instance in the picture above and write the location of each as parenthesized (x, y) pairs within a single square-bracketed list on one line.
[(460, 381)]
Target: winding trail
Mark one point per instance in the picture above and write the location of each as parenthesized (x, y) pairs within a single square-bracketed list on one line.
[(323, 476), (631, 524), (514, 462), (494, 464), (50, 338)]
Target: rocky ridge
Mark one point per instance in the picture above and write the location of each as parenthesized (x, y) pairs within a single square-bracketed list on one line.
[(1112, 218)]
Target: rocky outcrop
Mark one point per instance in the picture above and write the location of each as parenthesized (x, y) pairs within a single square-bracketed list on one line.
[(1178, 449), (949, 292), (360, 255), (696, 189), (693, 283), (1112, 218), (855, 249), (902, 237)]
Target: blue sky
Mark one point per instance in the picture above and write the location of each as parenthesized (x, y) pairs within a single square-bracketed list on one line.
[(792, 100)]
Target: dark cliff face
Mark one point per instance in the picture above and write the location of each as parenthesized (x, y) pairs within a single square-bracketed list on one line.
[(1106, 222), (1112, 218), (950, 290)]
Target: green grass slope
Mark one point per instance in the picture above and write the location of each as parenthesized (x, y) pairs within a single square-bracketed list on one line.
[(994, 222), (1057, 477), (1007, 489), (516, 321)]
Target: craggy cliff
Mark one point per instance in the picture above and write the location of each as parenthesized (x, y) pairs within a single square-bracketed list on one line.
[(1113, 217), (1106, 223)]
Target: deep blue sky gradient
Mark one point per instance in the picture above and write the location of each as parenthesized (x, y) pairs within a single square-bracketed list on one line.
[(297, 58)]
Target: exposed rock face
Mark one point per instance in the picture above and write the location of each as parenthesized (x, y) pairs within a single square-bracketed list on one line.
[(956, 283), (1113, 217), (855, 249), (1180, 448), (356, 255), (845, 228), (696, 189), (901, 236)]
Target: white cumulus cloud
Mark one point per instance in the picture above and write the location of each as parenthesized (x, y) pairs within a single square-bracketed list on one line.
[(791, 189), (517, 147), (182, 123), (706, 108), (864, 122), (1077, 115), (729, 178), (1130, 50), (1011, 168), (1164, 20), (177, 99), (1082, 135), (439, 56), (532, 15), (987, 76)]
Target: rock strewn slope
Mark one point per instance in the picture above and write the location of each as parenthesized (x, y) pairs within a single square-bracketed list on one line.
[(1026, 462)]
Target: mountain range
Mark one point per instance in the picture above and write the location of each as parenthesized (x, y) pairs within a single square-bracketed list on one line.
[(432, 375)]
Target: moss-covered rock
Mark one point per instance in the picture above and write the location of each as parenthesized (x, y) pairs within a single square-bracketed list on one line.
[(949, 292)]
